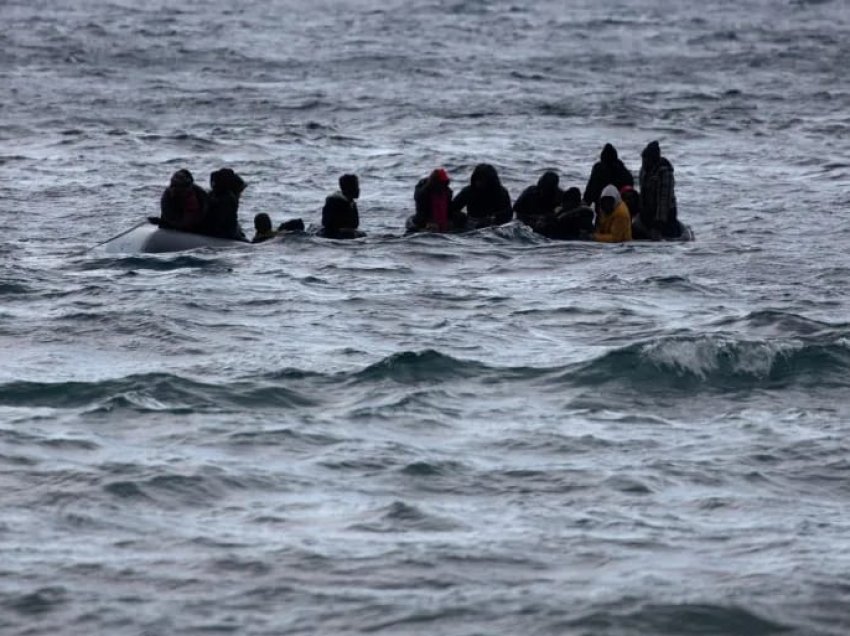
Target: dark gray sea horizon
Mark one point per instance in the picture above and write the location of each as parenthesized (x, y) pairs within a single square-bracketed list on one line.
[(488, 433)]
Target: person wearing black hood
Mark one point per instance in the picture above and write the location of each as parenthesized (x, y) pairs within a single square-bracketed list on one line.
[(340, 218), (536, 205), (572, 221), (486, 200), (183, 205), (658, 215), (223, 206), (609, 170), (263, 228)]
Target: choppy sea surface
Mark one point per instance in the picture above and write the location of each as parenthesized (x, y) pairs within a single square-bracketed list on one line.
[(488, 433)]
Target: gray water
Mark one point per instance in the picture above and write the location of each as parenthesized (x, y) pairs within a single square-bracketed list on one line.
[(488, 433)]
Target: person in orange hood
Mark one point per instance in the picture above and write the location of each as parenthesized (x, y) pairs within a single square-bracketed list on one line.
[(614, 223)]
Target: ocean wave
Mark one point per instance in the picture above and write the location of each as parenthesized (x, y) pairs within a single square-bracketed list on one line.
[(688, 363), (157, 263), (36, 602), (149, 393), (682, 283), (174, 489), (781, 322), (413, 367), (719, 362), (403, 517), (680, 619), (709, 362), (10, 288)]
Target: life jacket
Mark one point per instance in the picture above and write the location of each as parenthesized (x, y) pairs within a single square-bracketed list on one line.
[(440, 211), (193, 211)]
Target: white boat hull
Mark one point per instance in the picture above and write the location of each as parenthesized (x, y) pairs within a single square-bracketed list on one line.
[(150, 239)]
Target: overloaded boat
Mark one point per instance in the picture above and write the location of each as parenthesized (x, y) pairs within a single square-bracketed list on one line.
[(149, 238)]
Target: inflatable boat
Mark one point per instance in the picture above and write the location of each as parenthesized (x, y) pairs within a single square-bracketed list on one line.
[(152, 239), (149, 238), (685, 234)]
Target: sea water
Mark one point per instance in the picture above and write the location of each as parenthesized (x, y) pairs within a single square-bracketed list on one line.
[(488, 433)]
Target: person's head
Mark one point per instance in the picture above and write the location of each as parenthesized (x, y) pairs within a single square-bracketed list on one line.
[(608, 155), (225, 180), (571, 199), (548, 182), (440, 177), (182, 179), (484, 176), (631, 198), (609, 199), (349, 185), (651, 155), (262, 223)]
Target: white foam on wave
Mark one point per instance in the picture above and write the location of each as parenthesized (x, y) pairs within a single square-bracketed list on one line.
[(707, 356)]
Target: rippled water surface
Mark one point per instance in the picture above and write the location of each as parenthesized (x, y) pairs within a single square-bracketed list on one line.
[(481, 434)]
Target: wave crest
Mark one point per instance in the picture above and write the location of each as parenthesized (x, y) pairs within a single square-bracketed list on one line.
[(721, 362)]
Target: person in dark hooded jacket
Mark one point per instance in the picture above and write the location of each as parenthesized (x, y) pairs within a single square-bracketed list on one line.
[(536, 205), (223, 206), (340, 218), (433, 198), (263, 228), (572, 220), (609, 170), (183, 205), (486, 200), (658, 215)]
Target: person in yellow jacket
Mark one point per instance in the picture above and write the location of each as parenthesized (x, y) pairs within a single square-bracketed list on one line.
[(614, 223)]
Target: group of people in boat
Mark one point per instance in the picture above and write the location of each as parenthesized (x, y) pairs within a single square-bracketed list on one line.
[(610, 210)]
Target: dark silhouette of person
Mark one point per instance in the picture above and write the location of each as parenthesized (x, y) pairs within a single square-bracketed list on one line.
[(263, 228), (536, 205), (340, 217), (223, 205), (486, 200), (183, 205), (658, 215), (433, 198), (572, 220), (609, 170)]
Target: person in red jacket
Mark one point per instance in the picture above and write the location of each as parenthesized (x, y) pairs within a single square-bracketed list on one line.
[(434, 213)]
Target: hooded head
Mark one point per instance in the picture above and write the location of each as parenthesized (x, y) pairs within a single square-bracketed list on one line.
[(571, 199), (609, 155), (440, 176), (652, 153), (225, 180), (484, 176), (609, 199), (263, 223), (349, 185), (182, 179), (548, 182)]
